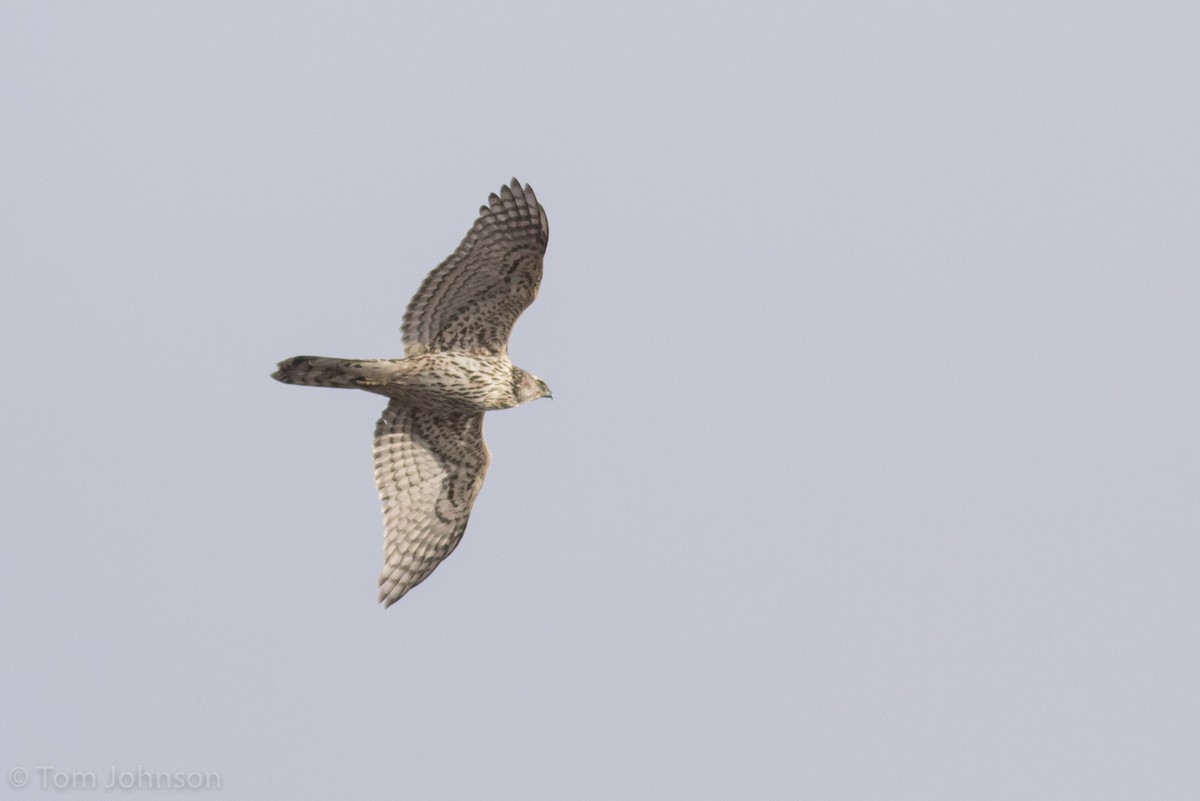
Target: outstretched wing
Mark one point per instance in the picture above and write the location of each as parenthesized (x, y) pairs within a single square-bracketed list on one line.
[(471, 300), (429, 467)]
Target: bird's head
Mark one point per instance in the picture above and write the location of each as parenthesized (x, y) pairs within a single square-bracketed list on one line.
[(528, 386)]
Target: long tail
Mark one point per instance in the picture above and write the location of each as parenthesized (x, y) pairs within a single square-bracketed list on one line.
[(320, 371)]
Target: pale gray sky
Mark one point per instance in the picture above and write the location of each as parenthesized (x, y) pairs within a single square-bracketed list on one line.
[(872, 467)]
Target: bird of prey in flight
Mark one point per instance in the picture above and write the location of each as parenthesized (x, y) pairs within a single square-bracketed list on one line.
[(430, 457)]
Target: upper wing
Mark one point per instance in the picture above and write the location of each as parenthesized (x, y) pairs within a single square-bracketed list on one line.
[(471, 300), (429, 467)]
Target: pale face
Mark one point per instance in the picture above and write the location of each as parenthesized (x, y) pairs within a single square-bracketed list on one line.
[(530, 387)]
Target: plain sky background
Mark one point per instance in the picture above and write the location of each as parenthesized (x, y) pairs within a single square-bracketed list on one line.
[(873, 463)]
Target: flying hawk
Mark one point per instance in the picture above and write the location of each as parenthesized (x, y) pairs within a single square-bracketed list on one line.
[(430, 457)]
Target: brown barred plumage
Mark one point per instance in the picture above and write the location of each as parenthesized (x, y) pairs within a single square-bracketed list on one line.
[(430, 457)]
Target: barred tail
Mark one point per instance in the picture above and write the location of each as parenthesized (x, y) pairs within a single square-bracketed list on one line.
[(319, 371)]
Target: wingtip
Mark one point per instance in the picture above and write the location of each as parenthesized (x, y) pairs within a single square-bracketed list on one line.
[(518, 188), (390, 588)]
